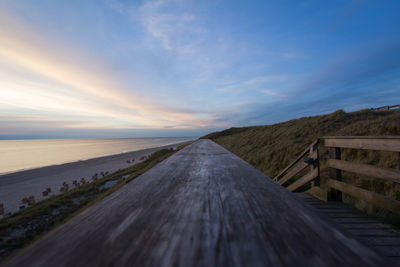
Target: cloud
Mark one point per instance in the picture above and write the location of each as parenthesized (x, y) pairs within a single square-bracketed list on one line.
[(169, 26), (359, 65), (169, 65), (116, 5), (363, 77), (80, 84), (261, 84)]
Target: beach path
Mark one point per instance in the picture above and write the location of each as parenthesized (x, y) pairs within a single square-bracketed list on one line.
[(203, 206)]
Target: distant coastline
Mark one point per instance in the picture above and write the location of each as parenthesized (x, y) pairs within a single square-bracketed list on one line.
[(97, 158), (23, 155), (17, 185)]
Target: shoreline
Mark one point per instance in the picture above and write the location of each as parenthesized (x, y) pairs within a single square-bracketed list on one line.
[(16, 185), (87, 159)]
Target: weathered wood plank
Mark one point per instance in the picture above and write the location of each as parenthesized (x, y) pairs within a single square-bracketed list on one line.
[(382, 240), (299, 157), (203, 206), (380, 236), (298, 167), (371, 197), (392, 252), (335, 153), (316, 165), (318, 192), (370, 232), (363, 137), (301, 165), (367, 226), (343, 215), (353, 220), (369, 170), (303, 180), (398, 160), (391, 143)]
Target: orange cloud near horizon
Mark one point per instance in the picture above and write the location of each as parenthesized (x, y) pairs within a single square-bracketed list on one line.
[(56, 82)]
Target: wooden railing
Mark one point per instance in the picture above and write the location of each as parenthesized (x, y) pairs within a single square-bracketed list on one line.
[(309, 157), (331, 187)]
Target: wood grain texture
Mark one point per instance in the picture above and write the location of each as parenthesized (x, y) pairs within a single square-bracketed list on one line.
[(380, 236), (203, 206), (296, 168), (385, 143), (369, 170), (303, 180), (371, 197), (299, 157)]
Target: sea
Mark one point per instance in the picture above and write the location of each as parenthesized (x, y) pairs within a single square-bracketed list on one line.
[(17, 155)]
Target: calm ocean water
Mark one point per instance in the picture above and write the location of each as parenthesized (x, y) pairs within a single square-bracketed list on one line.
[(27, 154)]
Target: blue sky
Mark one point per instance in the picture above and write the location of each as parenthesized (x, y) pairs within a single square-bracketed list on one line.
[(185, 68)]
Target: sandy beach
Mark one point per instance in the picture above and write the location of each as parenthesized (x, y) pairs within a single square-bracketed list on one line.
[(17, 185)]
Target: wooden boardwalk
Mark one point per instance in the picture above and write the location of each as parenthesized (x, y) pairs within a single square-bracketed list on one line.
[(202, 206), (378, 235)]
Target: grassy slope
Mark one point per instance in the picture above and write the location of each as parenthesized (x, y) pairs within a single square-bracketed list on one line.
[(21, 228), (271, 148)]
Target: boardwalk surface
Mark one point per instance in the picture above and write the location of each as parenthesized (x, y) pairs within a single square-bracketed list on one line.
[(203, 206), (380, 236)]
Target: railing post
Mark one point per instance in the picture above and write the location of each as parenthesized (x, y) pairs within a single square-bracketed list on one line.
[(335, 153), (317, 181), (398, 165)]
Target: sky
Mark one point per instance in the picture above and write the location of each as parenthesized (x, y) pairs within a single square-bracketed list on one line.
[(113, 68)]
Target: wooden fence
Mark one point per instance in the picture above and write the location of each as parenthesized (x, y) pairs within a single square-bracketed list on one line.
[(331, 187)]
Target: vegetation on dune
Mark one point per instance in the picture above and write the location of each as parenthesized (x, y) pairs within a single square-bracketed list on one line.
[(271, 148), (23, 227)]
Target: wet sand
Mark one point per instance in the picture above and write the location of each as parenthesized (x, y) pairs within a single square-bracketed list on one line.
[(17, 185)]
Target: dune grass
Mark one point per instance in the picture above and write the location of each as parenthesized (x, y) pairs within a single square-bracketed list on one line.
[(271, 148), (26, 226)]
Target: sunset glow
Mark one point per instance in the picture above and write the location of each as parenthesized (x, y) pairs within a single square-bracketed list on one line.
[(45, 80), (169, 67)]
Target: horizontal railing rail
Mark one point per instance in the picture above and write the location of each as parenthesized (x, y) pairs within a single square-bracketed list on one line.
[(297, 165), (333, 185), (383, 143)]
